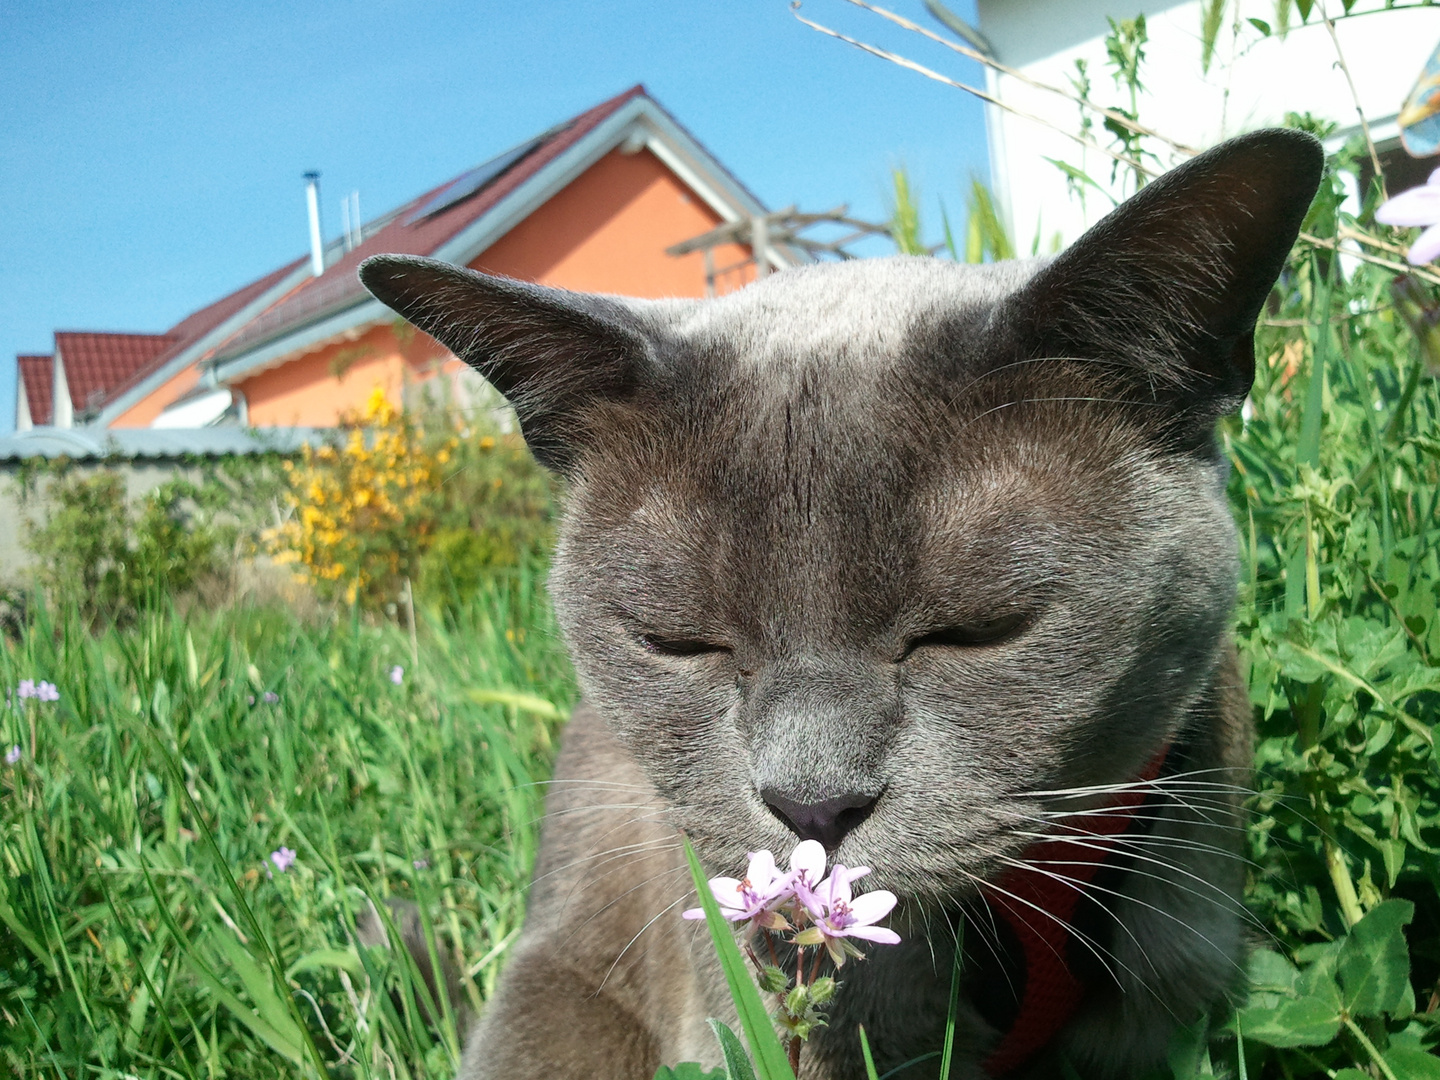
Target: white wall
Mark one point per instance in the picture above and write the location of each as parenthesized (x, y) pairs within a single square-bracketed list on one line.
[(1252, 82)]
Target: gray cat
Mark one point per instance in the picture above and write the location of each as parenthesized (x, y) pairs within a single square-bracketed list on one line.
[(927, 562)]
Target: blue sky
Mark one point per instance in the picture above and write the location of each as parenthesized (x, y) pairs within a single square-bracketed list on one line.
[(153, 151)]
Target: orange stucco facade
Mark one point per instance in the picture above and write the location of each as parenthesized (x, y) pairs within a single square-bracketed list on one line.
[(144, 411), (607, 231)]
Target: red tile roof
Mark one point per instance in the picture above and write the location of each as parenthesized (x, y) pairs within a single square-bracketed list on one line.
[(96, 363), (37, 380), (406, 234)]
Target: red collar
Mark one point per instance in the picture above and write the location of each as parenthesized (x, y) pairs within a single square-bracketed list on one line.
[(1038, 902)]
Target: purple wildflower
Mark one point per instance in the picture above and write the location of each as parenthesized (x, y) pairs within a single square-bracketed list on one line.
[(844, 915), (754, 896), (397, 674), (27, 688), (420, 864), (1420, 206), (12, 756), (46, 691), (270, 697), (283, 858)]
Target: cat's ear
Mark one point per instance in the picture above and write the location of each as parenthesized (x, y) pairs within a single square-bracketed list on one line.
[(553, 354), (1169, 285)]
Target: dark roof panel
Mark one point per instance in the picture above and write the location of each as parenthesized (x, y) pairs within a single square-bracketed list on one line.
[(477, 179)]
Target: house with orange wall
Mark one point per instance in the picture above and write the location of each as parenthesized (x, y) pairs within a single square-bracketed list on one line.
[(591, 204)]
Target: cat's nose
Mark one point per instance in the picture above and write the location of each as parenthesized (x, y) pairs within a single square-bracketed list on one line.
[(827, 820)]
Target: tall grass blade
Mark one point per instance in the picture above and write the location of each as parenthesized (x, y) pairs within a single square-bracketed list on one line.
[(771, 1061)]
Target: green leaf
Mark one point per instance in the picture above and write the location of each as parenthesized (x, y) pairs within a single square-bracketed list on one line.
[(770, 1058), (1289, 1007), (1261, 25), (261, 988), (1409, 1063), (515, 700), (344, 959), (688, 1070), (1307, 1021), (1212, 14), (870, 1073), (1374, 961), (737, 1064)]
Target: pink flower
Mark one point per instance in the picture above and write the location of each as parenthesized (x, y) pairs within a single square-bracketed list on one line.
[(842, 915), (397, 674), (12, 756), (270, 697), (27, 688), (754, 896), (1420, 206), (283, 858)]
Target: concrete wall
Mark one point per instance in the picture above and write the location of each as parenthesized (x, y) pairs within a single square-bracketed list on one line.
[(17, 510)]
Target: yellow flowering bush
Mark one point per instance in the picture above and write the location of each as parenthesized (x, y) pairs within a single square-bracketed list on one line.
[(432, 497)]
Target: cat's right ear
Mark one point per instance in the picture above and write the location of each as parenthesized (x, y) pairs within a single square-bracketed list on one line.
[(554, 354), (1169, 285)]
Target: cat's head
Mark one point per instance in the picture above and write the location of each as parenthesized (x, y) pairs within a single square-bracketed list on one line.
[(874, 551)]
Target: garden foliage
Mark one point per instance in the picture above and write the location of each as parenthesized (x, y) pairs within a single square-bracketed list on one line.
[(112, 557), (431, 496), (191, 825)]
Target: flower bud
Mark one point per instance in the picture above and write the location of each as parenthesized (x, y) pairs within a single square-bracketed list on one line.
[(822, 990), (796, 1001), (772, 980)]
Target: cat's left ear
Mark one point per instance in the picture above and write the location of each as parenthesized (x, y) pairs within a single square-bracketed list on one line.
[(554, 354), (1169, 285)]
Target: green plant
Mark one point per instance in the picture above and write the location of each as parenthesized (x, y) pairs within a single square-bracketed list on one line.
[(191, 830), (428, 498), (112, 558)]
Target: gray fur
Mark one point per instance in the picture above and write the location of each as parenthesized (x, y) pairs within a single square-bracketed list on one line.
[(774, 495)]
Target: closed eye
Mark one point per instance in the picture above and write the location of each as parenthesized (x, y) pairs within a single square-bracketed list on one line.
[(681, 646), (970, 635)]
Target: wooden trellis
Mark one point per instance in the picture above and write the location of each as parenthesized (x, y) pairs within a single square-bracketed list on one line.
[(764, 233)]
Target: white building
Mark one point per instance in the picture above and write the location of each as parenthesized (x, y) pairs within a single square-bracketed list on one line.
[(1252, 82)]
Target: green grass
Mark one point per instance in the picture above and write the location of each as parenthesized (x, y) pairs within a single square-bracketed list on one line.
[(143, 931)]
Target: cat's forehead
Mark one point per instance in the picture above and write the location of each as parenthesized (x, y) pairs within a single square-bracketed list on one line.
[(865, 310)]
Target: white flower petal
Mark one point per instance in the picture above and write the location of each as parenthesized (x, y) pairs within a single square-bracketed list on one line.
[(762, 870), (871, 907), (878, 934), (1426, 248), (1418, 206), (726, 890), (808, 858)]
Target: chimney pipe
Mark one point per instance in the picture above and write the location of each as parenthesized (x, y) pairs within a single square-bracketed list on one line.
[(312, 200)]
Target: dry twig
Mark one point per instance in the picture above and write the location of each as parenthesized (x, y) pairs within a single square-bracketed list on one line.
[(921, 69), (1020, 76), (1355, 97)]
